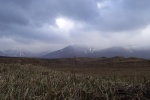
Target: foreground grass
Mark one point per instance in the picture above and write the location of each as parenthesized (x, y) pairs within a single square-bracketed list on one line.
[(28, 82)]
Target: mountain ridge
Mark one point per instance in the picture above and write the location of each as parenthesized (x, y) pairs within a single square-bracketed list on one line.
[(79, 51), (21, 53), (72, 51)]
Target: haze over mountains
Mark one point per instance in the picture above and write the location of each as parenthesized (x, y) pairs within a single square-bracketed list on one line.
[(1, 54), (81, 51), (21, 53), (38, 25), (78, 51)]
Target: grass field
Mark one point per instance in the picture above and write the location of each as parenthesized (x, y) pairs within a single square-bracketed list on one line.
[(62, 79)]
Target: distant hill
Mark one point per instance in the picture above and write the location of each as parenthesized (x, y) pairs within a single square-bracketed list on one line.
[(79, 51), (21, 53), (2, 54), (70, 52)]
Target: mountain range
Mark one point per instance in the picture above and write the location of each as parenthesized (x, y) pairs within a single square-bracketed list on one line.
[(21, 53), (81, 51), (2, 54)]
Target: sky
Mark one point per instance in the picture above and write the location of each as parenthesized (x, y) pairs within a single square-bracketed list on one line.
[(40, 25)]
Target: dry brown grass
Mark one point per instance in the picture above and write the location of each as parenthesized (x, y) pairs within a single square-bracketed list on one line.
[(61, 79)]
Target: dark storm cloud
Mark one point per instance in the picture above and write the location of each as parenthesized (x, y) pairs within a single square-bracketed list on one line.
[(117, 15), (11, 13), (33, 14), (26, 34), (27, 21), (123, 15), (79, 10)]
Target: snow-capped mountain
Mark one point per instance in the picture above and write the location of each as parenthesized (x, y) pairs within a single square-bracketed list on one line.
[(22, 53), (18, 53), (1, 53), (79, 51), (71, 51), (121, 51)]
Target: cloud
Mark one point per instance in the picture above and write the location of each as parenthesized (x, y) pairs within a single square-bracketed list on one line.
[(123, 15), (58, 23)]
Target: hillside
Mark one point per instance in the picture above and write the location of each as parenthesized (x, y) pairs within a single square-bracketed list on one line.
[(2, 54), (83, 51)]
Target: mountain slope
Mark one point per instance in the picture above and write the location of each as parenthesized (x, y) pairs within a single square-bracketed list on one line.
[(2, 54), (70, 52), (78, 51), (22, 53), (18, 53), (112, 52)]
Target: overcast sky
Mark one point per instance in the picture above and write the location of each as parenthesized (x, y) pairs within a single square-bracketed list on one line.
[(40, 25)]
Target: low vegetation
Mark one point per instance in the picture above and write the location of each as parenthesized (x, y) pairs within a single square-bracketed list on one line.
[(31, 82)]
